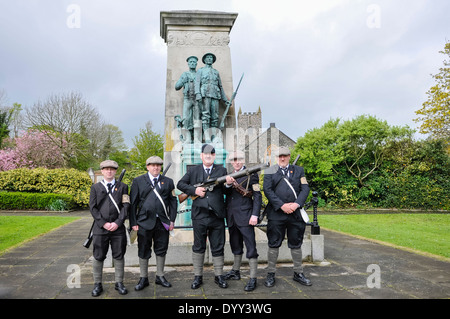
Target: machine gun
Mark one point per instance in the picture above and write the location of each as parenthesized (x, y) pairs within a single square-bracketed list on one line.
[(88, 240), (209, 184)]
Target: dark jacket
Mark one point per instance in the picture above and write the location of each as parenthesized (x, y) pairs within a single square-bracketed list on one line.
[(213, 200), (104, 211), (278, 191), (143, 209), (240, 208)]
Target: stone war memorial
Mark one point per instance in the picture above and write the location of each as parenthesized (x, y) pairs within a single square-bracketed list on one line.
[(199, 87), (199, 109)]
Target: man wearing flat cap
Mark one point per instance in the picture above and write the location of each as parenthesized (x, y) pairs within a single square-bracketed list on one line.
[(152, 215), (243, 203), (108, 204), (286, 188), (208, 215), (208, 92)]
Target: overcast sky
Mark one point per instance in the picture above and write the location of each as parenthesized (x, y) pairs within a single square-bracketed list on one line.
[(304, 61)]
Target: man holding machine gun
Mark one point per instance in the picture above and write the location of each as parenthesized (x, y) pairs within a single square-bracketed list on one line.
[(152, 215), (286, 188), (243, 202), (208, 215), (108, 203)]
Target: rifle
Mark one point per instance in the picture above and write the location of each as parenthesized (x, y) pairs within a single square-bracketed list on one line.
[(209, 184), (88, 240), (222, 121)]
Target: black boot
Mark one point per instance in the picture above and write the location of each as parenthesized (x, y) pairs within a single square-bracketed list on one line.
[(98, 289), (198, 281), (270, 280), (161, 280), (251, 285), (121, 288), (300, 277), (233, 274), (220, 281), (143, 282)]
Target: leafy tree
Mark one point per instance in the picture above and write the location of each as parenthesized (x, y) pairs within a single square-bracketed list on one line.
[(146, 144), (435, 112)]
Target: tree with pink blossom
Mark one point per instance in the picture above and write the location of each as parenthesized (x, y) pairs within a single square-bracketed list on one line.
[(32, 149)]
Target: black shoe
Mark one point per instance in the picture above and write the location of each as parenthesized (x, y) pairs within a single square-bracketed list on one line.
[(160, 280), (198, 281), (270, 280), (233, 275), (98, 289), (143, 282), (121, 288), (302, 279), (251, 285), (220, 281)]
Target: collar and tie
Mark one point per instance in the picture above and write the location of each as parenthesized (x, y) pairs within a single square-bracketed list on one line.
[(284, 170), (110, 187)]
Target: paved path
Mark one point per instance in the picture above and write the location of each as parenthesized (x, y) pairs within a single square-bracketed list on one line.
[(41, 268)]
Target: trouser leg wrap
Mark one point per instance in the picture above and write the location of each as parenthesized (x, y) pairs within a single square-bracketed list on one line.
[(237, 262), (143, 267), (197, 261), (218, 263), (297, 259), (119, 269), (160, 262), (253, 262), (97, 270), (272, 257)]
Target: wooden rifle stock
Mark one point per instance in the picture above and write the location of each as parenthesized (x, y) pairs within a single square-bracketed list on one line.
[(220, 180)]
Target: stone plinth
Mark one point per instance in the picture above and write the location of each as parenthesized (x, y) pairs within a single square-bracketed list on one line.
[(194, 33)]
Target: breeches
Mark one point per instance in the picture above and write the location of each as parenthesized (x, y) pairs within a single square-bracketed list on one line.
[(276, 231), (240, 235), (158, 236), (117, 240), (212, 228)]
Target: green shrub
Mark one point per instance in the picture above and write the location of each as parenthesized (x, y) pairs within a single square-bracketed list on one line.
[(41, 180), (36, 201)]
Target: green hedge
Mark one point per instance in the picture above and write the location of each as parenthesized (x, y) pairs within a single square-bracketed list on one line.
[(35, 201), (56, 181)]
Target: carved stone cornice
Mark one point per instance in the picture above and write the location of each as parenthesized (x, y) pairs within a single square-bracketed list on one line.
[(197, 38)]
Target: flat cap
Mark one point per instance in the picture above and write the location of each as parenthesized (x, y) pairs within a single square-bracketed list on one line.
[(206, 148), (236, 154), (154, 160), (109, 163), (283, 150)]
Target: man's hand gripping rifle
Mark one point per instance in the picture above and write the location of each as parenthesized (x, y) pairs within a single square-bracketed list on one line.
[(209, 184)]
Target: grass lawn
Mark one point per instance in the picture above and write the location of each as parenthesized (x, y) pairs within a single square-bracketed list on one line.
[(428, 233), (19, 229)]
